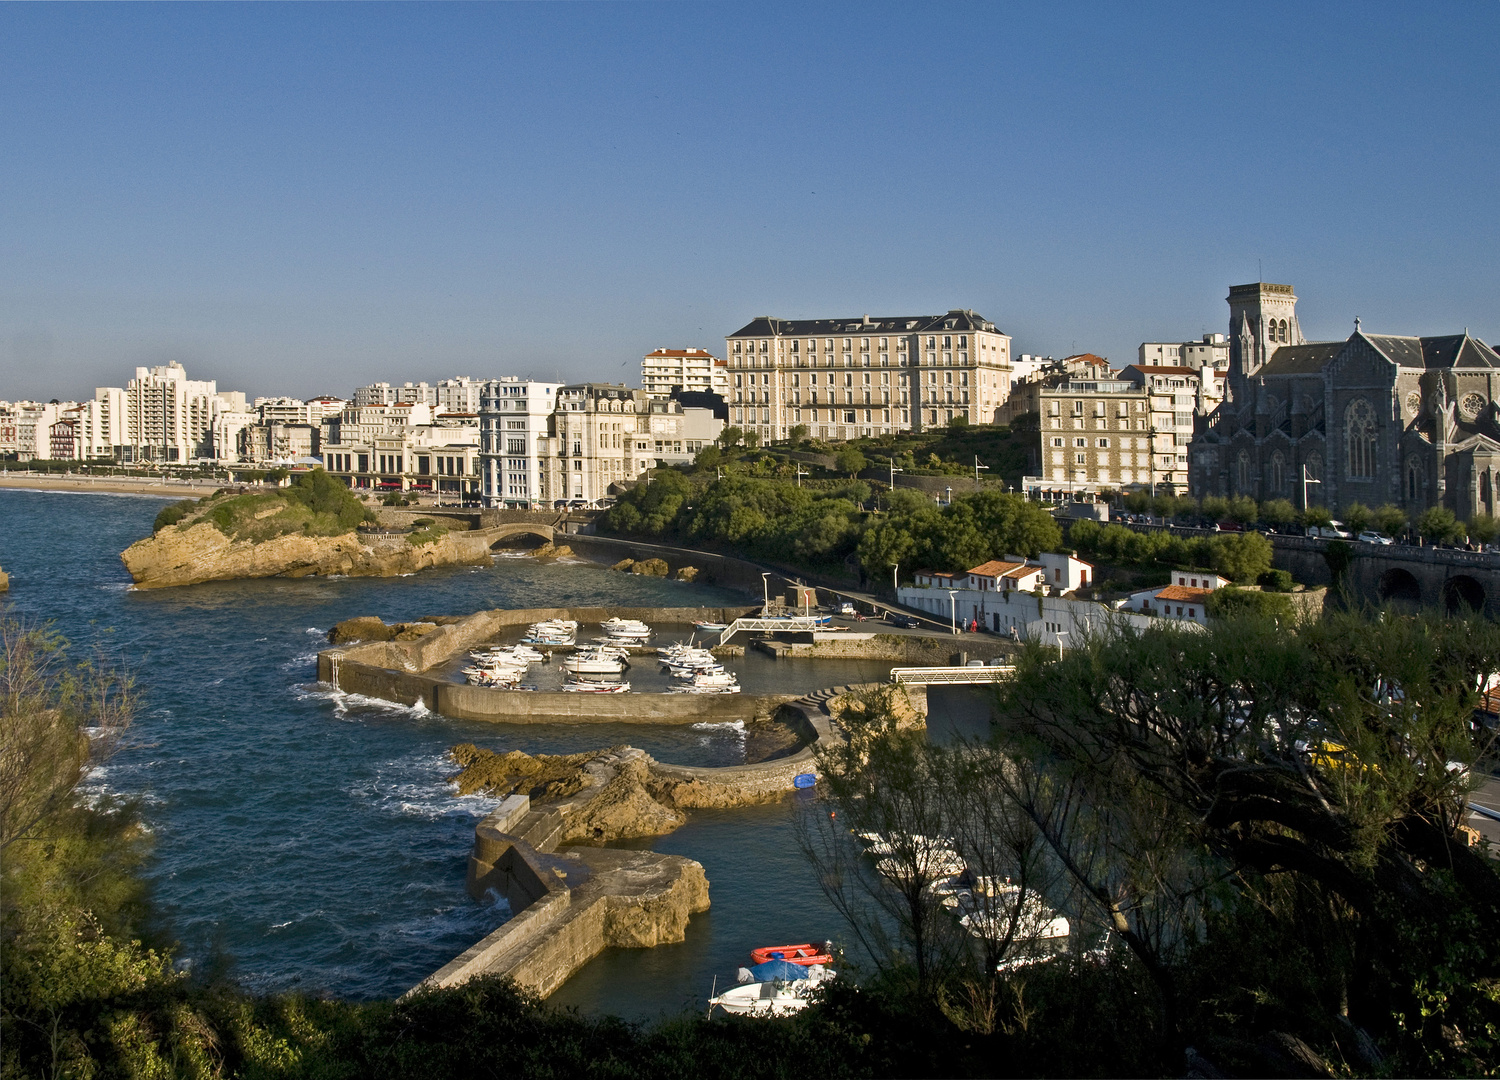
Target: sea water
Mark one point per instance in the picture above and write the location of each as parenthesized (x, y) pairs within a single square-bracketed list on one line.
[(314, 838)]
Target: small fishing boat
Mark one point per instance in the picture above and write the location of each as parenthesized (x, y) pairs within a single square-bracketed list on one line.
[(589, 686), (706, 627), (775, 988), (807, 955), (593, 662)]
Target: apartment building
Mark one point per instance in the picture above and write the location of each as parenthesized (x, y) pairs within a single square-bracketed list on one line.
[(1196, 391), (691, 370), (169, 417), (405, 447), (460, 394), (514, 419), (1094, 434), (848, 378), (604, 435), (1211, 350)]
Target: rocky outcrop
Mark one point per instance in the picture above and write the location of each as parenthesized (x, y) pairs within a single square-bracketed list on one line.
[(552, 551), (4, 581), (370, 628), (623, 566), (686, 573), (886, 703), (178, 556), (621, 793), (650, 567)]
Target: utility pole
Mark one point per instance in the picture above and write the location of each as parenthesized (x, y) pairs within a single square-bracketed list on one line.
[(977, 467)]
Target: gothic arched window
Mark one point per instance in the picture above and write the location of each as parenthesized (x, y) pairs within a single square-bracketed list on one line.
[(1359, 433), (1283, 330), (1413, 478), (1278, 473), (1244, 470)]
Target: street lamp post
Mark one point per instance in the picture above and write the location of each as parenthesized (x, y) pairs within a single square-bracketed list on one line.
[(977, 467), (953, 611), (949, 490), (765, 584), (801, 472), (1060, 635), (896, 580), (1305, 481)]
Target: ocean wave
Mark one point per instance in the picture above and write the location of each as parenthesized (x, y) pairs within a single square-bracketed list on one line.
[(344, 702), (315, 632), (726, 726), (418, 786)]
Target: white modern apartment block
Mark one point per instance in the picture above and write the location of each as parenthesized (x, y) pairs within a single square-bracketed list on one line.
[(514, 419), (847, 378), (1211, 350), (169, 417), (696, 370)]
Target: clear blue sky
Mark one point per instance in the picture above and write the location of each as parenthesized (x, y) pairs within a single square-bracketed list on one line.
[(304, 198)]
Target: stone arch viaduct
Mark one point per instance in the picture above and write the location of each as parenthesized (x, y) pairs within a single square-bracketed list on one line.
[(1442, 578)]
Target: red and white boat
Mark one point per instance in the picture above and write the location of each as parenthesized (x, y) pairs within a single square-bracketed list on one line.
[(806, 955)]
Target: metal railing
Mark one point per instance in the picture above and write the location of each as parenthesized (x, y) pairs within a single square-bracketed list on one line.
[(926, 676)]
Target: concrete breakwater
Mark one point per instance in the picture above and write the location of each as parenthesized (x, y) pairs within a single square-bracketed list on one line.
[(568, 907)]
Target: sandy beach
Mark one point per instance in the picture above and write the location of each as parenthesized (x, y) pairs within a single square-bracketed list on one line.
[(112, 485)]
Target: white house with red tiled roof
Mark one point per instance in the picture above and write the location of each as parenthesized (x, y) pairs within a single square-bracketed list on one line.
[(1186, 598)]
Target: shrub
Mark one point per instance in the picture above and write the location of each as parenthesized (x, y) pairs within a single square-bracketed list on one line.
[(171, 515), (1229, 601), (1275, 581)]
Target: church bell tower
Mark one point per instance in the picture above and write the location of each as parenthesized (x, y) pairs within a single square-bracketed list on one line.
[(1262, 318)]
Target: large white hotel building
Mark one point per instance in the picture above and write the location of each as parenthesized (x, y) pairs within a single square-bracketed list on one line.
[(847, 378)]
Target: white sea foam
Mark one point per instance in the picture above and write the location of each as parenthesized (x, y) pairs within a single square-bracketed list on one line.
[(725, 727), (315, 632)]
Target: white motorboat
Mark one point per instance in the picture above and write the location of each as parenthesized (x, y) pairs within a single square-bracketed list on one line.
[(714, 679), (592, 664), (773, 997), (632, 630), (991, 917)]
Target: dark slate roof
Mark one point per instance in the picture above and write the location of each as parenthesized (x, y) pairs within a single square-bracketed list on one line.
[(953, 322), (1307, 359), (1459, 351)]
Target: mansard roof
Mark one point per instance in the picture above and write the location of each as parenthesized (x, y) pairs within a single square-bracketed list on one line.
[(954, 321), (1308, 359)]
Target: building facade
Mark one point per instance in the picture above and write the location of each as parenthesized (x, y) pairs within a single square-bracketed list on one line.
[(405, 447), (605, 436), (691, 370), (515, 419), (1374, 419), (850, 378), (1211, 350)]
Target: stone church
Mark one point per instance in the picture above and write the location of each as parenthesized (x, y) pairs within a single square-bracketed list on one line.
[(1375, 419)]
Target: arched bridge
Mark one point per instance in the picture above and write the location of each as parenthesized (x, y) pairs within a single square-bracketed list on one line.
[(1414, 577)]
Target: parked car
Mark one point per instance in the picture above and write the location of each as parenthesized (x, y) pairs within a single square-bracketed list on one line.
[(1329, 532), (1371, 537), (897, 618), (845, 609), (1229, 526)]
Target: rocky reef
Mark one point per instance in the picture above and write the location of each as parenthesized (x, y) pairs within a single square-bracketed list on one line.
[(4, 581)]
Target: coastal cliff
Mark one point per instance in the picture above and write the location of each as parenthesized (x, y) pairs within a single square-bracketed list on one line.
[(303, 530)]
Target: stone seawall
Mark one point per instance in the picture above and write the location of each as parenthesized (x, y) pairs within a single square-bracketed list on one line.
[(909, 649)]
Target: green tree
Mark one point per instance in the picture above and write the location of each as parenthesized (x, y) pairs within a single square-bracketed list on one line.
[(1242, 509), (1357, 517), (797, 435), (1438, 525), (752, 440), (1216, 508), (1316, 515), (1232, 601), (960, 420), (708, 458), (1277, 513), (1482, 528), (1241, 557), (1390, 520), (730, 437), (850, 461)]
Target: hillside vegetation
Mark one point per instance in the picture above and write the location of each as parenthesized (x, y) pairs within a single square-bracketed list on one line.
[(314, 505)]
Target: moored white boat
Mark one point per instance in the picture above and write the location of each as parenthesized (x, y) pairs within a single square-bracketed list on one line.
[(592, 663), (772, 996)]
